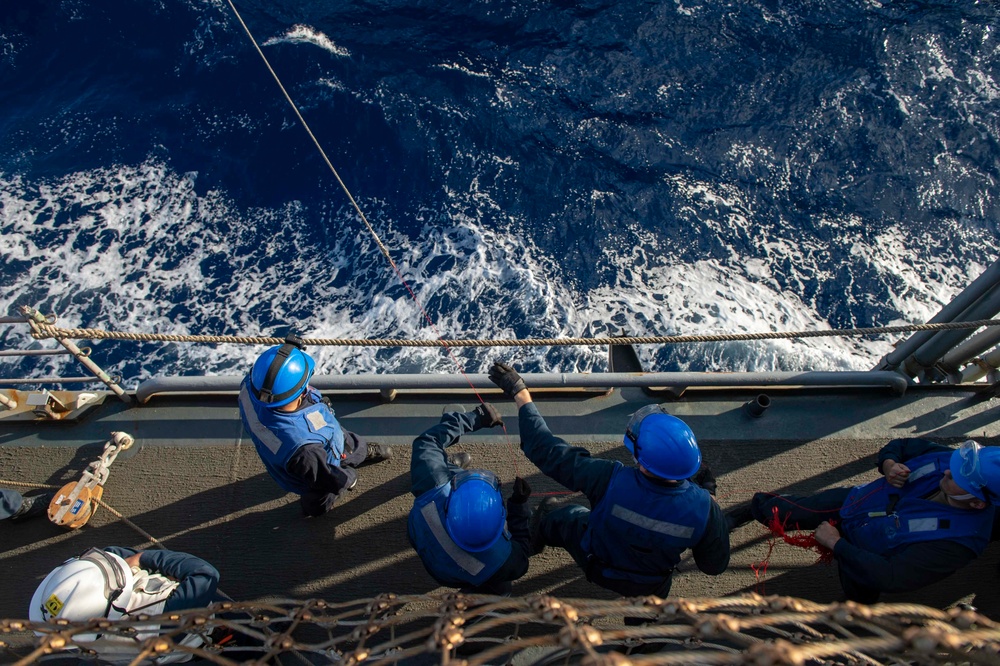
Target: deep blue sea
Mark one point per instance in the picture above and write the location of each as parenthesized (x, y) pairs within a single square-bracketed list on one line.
[(535, 168)]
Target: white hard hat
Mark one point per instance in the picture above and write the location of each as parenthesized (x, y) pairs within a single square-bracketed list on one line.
[(95, 585)]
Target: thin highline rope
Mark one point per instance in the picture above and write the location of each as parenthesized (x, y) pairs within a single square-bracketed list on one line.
[(357, 208)]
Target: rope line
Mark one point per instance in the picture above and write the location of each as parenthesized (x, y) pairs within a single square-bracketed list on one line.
[(47, 331), (371, 229), (305, 125), (115, 512)]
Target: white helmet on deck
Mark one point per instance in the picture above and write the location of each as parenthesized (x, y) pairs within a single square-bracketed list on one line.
[(98, 584)]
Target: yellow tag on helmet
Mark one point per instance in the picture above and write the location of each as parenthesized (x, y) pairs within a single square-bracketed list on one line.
[(53, 605)]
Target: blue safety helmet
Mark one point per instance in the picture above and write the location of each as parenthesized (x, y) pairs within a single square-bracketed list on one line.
[(976, 470), (474, 511), (662, 443), (281, 374)]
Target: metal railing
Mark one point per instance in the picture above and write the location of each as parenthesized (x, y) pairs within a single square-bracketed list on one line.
[(31, 317), (674, 381), (951, 356)]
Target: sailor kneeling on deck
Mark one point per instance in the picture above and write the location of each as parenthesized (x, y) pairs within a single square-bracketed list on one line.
[(929, 516), (642, 518), (121, 584), (296, 433), (458, 525)]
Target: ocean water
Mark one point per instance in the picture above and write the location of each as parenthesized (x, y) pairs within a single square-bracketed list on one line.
[(536, 169)]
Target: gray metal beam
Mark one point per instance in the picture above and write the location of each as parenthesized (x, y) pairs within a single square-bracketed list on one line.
[(49, 380), (976, 371), (969, 349), (890, 380), (942, 342), (949, 312)]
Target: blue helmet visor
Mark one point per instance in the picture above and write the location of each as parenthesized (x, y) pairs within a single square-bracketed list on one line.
[(966, 469), (635, 423), (467, 475)]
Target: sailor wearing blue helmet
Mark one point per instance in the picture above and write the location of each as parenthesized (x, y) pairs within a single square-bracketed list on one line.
[(296, 433), (643, 518), (465, 535), (930, 516)]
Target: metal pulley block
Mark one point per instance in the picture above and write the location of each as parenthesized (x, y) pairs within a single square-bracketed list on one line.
[(77, 501)]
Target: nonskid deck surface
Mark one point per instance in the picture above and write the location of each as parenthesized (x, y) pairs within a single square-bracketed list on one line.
[(195, 484)]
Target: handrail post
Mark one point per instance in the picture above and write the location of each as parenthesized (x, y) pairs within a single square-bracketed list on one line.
[(35, 318)]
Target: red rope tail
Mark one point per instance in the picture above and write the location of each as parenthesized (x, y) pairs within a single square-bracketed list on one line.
[(807, 541), (760, 568)]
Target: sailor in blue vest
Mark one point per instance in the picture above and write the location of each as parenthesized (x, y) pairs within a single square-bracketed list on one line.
[(643, 518), (457, 523), (295, 431), (929, 516)]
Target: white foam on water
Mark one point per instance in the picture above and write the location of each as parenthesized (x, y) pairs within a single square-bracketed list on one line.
[(304, 34), (464, 69), (133, 249)]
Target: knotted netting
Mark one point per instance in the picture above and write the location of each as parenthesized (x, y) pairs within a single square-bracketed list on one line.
[(476, 629)]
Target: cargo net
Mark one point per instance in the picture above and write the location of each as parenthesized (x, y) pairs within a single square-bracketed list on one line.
[(473, 629)]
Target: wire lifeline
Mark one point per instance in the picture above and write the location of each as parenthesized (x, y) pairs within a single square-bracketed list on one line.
[(46, 331), (371, 230)]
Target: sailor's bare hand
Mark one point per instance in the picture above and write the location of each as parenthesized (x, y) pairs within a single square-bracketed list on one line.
[(896, 474), (827, 535), (133, 560)]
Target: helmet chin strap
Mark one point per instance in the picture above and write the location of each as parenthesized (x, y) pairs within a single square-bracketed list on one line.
[(267, 389)]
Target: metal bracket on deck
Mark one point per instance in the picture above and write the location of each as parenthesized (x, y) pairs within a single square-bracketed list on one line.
[(47, 406)]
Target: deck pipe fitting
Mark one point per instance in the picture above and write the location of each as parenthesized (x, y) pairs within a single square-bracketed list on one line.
[(757, 406)]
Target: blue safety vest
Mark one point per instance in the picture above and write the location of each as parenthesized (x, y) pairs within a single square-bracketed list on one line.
[(639, 529), (447, 562), (879, 517), (277, 434)]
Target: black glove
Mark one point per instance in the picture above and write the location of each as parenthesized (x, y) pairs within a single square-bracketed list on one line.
[(522, 491), (507, 379), (487, 416)]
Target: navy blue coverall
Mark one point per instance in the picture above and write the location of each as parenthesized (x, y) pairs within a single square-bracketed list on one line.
[(864, 574), (198, 579), (429, 469), (10, 502), (565, 527)]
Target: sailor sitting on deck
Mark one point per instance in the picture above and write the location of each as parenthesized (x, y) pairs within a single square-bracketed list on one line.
[(296, 432), (122, 583), (457, 521), (642, 518), (930, 516)]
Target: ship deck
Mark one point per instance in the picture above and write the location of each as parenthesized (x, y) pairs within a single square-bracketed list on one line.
[(194, 483)]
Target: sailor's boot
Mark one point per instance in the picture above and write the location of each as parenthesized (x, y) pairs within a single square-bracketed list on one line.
[(378, 453), (545, 507), (33, 506), (738, 516), (704, 478)]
